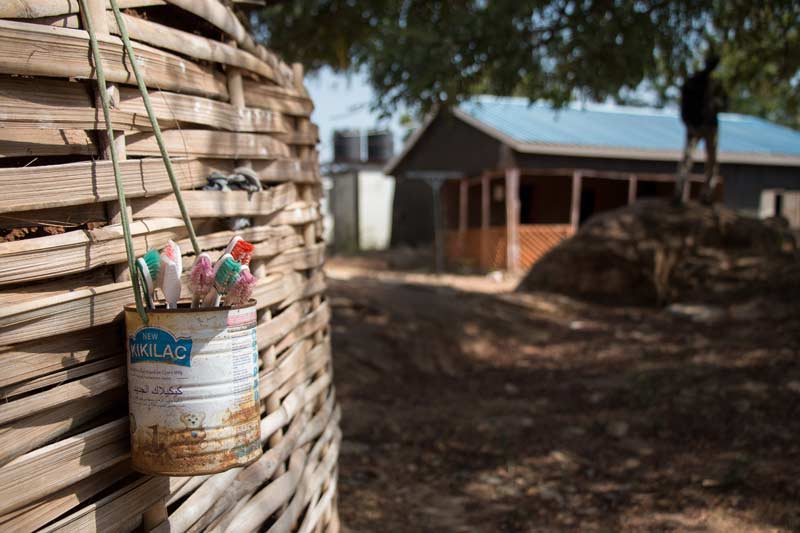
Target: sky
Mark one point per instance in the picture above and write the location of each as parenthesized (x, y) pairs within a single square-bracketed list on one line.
[(343, 102)]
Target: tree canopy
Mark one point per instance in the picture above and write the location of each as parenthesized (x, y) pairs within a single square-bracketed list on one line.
[(424, 53)]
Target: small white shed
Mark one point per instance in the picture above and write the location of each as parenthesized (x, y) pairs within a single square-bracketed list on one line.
[(360, 202)]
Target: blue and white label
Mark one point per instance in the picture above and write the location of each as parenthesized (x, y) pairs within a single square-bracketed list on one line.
[(157, 345)]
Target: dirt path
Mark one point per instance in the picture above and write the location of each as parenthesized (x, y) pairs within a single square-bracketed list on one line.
[(473, 411)]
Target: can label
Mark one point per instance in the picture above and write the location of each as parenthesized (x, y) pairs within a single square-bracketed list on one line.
[(160, 346), (193, 391)]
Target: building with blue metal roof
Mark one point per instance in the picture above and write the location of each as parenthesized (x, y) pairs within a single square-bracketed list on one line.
[(509, 179)]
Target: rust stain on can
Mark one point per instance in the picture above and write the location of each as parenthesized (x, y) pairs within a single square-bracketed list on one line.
[(193, 390)]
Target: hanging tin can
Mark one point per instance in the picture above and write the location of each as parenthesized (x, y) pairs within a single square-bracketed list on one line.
[(193, 389)]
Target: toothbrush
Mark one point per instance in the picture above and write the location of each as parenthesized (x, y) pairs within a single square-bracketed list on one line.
[(243, 288), (225, 273), (149, 266), (169, 274), (201, 278), (240, 249)]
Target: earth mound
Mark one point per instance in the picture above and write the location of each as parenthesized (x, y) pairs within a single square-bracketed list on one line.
[(652, 253)]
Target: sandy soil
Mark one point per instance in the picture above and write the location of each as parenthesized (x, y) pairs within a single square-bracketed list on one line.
[(469, 408)]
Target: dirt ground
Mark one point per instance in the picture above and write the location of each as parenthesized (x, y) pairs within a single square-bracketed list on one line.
[(470, 408)]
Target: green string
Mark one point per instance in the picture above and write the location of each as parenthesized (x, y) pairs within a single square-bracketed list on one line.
[(123, 31), (126, 228)]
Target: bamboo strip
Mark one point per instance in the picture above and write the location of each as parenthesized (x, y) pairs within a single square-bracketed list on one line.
[(181, 42), (51, 468), (214, 204), (311, 322), (314, 285), (61, 377), (208, 144), (312, 479), (82, 388), (257, 95), (73, 310), (304, 257), (296, 214), (313, 516), (186, 488), (314, 474), (35, 50), (269, 499), (31, 360), (22, 142), (56, 104), (38, 514), (211, 490), (287, 170), (173, 107), (307, 137), (314, 368), (192, 45), (119, 511), (293, 401), (274, 328), (220, 494), (199, 502), (282, 369), (27, 9), (253, 476), (93, 182), (233, 511), (66, 217), (280, 241), (78, 251), (277, 493), (29, 433), (224, 19)]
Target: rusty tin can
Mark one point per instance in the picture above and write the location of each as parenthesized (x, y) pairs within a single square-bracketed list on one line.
[(193, 389)]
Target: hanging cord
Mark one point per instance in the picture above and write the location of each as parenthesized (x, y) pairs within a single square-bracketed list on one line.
[(123, 31), (123, 208)]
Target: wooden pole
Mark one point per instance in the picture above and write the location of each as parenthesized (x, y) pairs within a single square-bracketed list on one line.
[(575, 209), (632, 185), (463, 212), (236, 92), (485, 220), (438, 240), (155, 514), (512, 219), (687, 190), (463, 206)]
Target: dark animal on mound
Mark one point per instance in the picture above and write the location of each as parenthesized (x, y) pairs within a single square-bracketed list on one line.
[(702, 97)]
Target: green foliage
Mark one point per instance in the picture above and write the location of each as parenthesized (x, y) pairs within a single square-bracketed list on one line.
[(424, 53)]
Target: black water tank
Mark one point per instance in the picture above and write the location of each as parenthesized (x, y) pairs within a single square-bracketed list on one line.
[(380, 146), (347, 146)]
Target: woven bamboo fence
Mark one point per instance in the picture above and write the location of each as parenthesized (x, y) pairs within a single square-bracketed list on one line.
[(223, 101)]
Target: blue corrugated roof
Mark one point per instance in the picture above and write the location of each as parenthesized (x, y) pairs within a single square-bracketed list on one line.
[(623, 127)]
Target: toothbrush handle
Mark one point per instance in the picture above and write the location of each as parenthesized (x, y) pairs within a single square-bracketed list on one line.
[(196, 299), (212, 299)]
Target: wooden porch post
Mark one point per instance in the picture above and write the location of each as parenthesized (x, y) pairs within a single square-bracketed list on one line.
[(512, 219), (633, 182), (485, 262), (463, 207), (463, 211), (575, 213), (438, 238)]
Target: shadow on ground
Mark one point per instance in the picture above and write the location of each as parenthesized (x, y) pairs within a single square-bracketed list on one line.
[(465, 411)]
